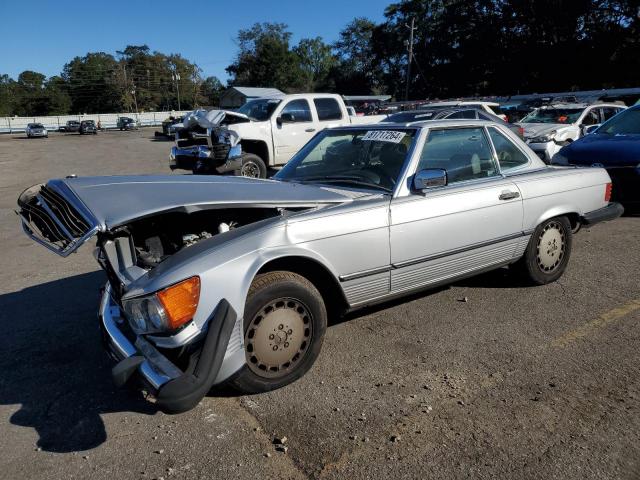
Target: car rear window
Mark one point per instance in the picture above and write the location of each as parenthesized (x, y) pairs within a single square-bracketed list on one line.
[(328, 109)]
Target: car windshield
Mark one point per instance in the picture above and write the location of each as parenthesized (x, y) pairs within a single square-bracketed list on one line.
[(260, 109), (36, 125), (415, 116), (625, 123), (358, 158), (553, 115)]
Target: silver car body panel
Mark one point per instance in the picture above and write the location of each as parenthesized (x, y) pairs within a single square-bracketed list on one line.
[(376, 246)]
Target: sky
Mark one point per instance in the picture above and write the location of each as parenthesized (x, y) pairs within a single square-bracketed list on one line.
[(43, 35)]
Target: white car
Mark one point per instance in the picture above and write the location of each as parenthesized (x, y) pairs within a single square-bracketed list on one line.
[(36, 130), (268, 131), (490, 107), (547, 129)]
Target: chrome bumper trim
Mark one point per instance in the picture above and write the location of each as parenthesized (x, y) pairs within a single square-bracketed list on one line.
[(155, 368)]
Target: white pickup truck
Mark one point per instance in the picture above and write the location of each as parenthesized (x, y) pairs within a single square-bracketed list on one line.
[(265, 132)]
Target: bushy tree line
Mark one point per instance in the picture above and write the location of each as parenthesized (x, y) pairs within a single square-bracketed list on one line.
[(135, 79), (461, 48)]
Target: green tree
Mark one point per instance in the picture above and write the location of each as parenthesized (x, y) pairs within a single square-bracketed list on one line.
[(265, 59), (95, 83), (316, 61)]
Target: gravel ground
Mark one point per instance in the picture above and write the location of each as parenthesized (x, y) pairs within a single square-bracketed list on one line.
[(516, 382)]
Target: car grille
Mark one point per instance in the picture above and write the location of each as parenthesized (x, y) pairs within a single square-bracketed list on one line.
[(50, 219)]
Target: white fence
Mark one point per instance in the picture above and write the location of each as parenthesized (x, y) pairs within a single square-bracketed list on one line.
[(106, 120)]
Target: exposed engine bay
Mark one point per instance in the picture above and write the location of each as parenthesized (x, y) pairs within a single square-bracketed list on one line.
[(131, 250)]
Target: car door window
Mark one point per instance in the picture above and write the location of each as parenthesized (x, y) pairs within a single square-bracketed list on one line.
[(299, 110), (463, 152), (328, 109), (471, 114), (591, 118), (509, 156), (608, 112)]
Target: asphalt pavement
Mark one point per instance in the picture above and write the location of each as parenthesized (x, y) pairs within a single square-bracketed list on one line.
[(482, 379)]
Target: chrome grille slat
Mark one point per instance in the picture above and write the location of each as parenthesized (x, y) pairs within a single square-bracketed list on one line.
[(51, 218), (72, 221)]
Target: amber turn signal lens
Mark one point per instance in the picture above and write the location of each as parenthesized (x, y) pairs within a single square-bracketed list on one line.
[(180, 301)]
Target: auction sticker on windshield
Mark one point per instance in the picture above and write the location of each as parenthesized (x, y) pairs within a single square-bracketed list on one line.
[(384, 136)]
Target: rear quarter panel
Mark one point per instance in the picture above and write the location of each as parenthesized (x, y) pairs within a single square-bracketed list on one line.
[(554, 191)]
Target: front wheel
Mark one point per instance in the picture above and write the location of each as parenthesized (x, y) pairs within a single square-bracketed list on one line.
[(547, 254), (285, 320), (253, 166)]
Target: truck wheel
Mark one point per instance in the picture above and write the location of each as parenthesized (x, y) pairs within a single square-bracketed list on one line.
[(253, 166), (285, 321), (546, 257)]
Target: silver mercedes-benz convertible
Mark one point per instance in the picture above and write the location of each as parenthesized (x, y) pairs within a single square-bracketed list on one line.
[(228, 279)]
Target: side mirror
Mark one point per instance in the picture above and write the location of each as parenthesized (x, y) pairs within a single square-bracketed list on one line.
[(429, 178), (587, 129), (285, 118)]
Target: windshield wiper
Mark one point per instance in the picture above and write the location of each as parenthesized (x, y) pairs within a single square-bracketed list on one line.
[(348, 179)]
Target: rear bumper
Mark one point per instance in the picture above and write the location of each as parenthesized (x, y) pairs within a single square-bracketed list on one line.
[(176, 391), (610, 212)]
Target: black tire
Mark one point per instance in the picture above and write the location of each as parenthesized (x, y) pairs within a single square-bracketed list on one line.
[(285, 321), (252, 166), (547, 254)]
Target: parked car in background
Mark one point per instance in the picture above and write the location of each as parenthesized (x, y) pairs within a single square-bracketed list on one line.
[(615, 145), (547, 129), (127, 123), (36, 130), (450, 113), (70, 126), (490, 107), (264, 132), (233, 279), (167, 131), (88, 127)]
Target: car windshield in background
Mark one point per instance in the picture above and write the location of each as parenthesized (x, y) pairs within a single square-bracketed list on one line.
[(259, 110), (553, 115), (358, 158), (36, 125), (625, 123), (405, 117)]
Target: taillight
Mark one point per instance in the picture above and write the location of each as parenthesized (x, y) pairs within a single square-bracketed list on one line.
[(521, 131), (607, 192)]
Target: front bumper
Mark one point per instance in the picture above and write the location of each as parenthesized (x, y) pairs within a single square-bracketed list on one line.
[(545, 151), (175, 391), (201, 159), (38, 134), (156, 370), (610, 212)]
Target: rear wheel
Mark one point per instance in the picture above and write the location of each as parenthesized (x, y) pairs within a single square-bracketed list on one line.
[(285, 322), (546, 257), (253, 166)]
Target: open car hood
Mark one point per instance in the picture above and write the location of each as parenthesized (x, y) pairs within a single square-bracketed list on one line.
[(65, 213), (117, 200), (211, 118)]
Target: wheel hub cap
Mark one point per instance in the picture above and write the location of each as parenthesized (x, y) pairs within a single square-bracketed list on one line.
[(250, 169), (550, 247), (277, 337)]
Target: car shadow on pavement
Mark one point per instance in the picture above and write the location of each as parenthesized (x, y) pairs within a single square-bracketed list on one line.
[(53, 366)]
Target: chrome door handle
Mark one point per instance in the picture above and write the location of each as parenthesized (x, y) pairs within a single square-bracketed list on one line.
[(506, 195), (310, 130)]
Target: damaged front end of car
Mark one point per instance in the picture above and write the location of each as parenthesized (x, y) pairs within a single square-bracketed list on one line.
[(204, 144), (170, 313)]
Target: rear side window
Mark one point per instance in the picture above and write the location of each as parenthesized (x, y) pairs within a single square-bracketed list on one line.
[(608, 112), (509, 156), (463, 152), (328, 109), (471, 114), (299, 110)]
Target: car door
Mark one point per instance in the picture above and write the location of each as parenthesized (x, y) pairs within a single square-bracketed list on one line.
[(329, 112), (292, 127), (472, 223)]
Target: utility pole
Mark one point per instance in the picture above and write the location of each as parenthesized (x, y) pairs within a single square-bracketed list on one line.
[(406, 88), (176, 78)]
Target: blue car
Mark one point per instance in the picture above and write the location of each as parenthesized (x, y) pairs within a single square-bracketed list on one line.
[(615, 145)]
